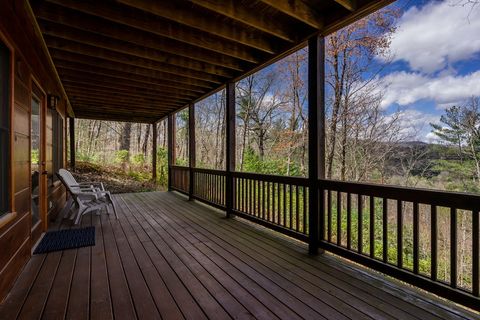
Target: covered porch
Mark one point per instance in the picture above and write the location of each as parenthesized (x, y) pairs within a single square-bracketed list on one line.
[(170, 258), (264, 246)]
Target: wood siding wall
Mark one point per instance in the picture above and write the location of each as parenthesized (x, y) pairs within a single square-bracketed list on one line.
[(29, 62)]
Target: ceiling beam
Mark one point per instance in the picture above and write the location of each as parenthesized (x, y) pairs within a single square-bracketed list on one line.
[(78, 20), (93, 116), (128, 42), (192, 90), (236, 11), (348, 4), (132, 60), (86, 108), (79, 88), (174, 11), (97, 41), (103, 105), (81, 82), (97, 78), (161, 27), (299, 10), (73, 93), (69, 57)]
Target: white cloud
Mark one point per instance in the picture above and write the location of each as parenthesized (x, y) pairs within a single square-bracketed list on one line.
[(406, 88), (414, 124), (437, 34)]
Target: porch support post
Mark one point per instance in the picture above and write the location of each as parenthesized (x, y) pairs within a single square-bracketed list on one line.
[(230, 147), (316, 138), (191, 148), (72, 143), (154, 152), (171, 147)]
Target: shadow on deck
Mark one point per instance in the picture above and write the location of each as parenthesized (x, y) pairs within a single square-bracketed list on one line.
[(170, 258)]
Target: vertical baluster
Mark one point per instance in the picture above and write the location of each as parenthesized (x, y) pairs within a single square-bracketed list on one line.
[(259, 210), (349, 221), (235, 183), (257, 192), (305, 204), (269, 211), (297, 209), (217, 189), (372, 226), (217, 184), (273, 203), (290, 210), (329, 215), (399, 233), (279, 205), (252, 197), (416, 237), (339, 218), (207, 187), (284, 205), (360, 223), (211, 188), (247, 195), (453, 247), (385, 230), (476, 253), (257, 199), (433, 242), (263, 199), (244, 186)]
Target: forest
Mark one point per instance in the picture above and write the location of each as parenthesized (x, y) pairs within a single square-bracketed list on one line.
[(365, 142)]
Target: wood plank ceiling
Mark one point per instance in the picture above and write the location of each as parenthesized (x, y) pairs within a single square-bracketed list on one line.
[(139, 60)]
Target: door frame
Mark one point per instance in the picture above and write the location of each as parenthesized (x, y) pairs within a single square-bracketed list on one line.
[(41, 226)]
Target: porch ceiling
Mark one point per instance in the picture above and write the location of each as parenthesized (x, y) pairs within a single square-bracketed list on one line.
[(139, 60)]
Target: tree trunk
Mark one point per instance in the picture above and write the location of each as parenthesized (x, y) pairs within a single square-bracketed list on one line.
[(124, 139), (145, 142)]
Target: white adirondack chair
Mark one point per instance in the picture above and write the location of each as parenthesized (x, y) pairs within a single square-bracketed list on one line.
[(86, 196)]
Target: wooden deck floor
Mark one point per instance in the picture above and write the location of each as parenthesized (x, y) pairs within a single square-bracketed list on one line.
[(173, 259)]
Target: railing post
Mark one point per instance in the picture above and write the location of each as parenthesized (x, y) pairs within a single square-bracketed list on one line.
[(154, 152), (316, 138), (191, 149), (171, 147), (72, 143), (230, 147)]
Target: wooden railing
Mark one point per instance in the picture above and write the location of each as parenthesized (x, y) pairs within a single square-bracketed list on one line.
[(209, 186), (180, 178), (397, 231), (278, 202), (427, 238)]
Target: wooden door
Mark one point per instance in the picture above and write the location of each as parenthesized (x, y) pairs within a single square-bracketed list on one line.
[(38, 164)]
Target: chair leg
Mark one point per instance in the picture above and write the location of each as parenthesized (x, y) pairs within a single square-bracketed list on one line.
[(80, 213), (66, 209), (113, 205)]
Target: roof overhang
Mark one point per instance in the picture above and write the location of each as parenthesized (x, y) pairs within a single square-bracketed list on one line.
[(139, 60)]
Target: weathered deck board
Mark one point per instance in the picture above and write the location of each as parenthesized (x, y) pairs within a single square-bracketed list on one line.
[(173, 259)]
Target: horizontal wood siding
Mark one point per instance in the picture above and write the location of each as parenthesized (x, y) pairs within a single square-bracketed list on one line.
[(30, 61)]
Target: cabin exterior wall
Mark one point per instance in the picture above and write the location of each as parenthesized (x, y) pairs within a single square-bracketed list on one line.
[(29, 65)]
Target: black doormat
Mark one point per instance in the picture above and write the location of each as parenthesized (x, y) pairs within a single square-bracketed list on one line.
[(66, 239)]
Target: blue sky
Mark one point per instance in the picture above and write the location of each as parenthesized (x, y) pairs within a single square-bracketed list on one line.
[(436, 62)]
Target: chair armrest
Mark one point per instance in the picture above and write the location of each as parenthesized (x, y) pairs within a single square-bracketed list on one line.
[(92, 183), (91, 195)]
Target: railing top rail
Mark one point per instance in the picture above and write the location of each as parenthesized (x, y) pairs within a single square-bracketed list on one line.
[(459, 200), (210, 171), (300, 181), (176, 167)]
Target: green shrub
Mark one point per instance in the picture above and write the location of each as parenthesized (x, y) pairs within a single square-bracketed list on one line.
[(138, 159), (121, 157)]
